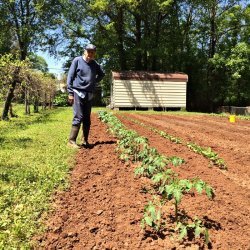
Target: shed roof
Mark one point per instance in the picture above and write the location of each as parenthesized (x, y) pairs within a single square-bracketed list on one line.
[(145, 75)]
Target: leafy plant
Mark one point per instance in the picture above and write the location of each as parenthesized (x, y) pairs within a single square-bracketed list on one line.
[(61, 99), (151, 164), (176, 161), (173, 188), (166, 182), (153, 215), (196, 227), (208, 153), (163, 178)]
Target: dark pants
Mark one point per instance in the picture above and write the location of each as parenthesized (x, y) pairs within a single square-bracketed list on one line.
[(82, 112)]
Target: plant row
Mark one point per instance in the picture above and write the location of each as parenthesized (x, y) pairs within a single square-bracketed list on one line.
[(167, 187), (205, 151)]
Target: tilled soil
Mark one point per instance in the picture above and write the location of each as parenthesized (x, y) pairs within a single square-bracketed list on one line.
[(104, 205)]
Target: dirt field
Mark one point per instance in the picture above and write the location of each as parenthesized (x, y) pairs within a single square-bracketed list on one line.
[(104, 206)]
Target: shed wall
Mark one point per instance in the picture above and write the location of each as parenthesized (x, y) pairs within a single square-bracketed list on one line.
[(149, 94)]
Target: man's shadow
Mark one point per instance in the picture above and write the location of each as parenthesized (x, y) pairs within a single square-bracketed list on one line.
[(90, 146)]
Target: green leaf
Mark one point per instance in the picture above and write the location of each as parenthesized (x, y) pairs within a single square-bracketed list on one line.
[(207, 238), (197, 231), (209, 191), (151, 209), (177, 193), (199, 185), (183, 232), (148, 221)]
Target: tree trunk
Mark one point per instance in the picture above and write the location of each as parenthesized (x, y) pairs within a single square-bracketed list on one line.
[(156, 42), (27, 105), (50, 102), (212, 51), (10, 95), (36, 105), (12, 114), (120, 33), (45, 101), (138, 58)]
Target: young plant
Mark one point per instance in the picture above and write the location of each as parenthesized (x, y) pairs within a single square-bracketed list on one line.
[(176, 161), (152, 215), (167, 136), (197, 228), (163, 178), (208, 153), (151, 165), (175, 190)]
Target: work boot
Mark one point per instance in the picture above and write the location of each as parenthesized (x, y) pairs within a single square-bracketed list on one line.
[(85, 142), (72, 137)]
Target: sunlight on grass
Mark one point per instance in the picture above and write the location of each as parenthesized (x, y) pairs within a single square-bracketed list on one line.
[(34, 160)]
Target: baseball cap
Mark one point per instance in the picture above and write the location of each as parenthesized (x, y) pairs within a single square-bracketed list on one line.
[(90, 47)]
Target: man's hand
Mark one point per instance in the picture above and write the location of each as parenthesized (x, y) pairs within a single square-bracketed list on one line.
[(70, 99)]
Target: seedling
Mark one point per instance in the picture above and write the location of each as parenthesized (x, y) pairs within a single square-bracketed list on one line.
[(208, 153), (176, 161), (151, 165), (152, 215), (170, 188), (197, 228), (175, 188)]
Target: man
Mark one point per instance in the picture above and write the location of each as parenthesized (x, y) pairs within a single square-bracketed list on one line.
[(84, 74)]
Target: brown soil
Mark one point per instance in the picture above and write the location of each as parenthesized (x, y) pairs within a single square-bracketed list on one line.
[(104, 205)]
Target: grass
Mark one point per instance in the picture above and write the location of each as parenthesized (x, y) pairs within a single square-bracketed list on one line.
[(34, 161)]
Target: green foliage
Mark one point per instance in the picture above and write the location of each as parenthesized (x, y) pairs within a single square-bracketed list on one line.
[(163, 178), (196, 227), (61, 99), (130, 143), (38, 62), (33, 162), (169, 137), (152, 215), (208, 153), (151, 163), (39, 87), (29, 22), (168, 36), (176, 161), (168, 186)]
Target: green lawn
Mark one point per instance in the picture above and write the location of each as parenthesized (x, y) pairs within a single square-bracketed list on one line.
[(34, 161)]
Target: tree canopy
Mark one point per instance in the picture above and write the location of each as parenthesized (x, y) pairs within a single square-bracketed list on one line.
[(208, 40)]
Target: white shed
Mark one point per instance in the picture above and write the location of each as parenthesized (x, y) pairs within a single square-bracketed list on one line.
[(139, 89)]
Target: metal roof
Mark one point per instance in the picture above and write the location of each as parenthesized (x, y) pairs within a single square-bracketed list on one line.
[(146, 75)]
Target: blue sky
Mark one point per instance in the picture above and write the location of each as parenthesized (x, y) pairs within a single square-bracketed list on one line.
[(54, 64)]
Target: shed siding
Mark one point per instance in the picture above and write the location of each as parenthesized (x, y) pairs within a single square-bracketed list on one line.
[(135, 93)]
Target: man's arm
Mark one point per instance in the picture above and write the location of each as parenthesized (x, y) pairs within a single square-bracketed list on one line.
[(71, 77), (100, 73)]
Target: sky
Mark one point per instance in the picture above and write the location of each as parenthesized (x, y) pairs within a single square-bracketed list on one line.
[(54, 65)]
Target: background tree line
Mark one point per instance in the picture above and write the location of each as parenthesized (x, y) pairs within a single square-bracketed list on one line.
[(24, 26), (208, 40)]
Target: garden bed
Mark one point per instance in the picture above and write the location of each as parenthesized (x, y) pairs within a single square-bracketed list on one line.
[(104, 206)]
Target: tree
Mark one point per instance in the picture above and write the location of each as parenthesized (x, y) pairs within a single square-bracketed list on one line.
[(11, 70), (170, 36), (29, 21), (38, 62)]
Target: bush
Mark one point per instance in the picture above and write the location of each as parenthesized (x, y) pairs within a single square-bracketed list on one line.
[(61, 99)]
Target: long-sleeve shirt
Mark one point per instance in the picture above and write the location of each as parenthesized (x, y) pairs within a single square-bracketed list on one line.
[(83, 76)]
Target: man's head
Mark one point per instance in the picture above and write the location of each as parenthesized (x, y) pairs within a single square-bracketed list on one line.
[(89, 52)]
